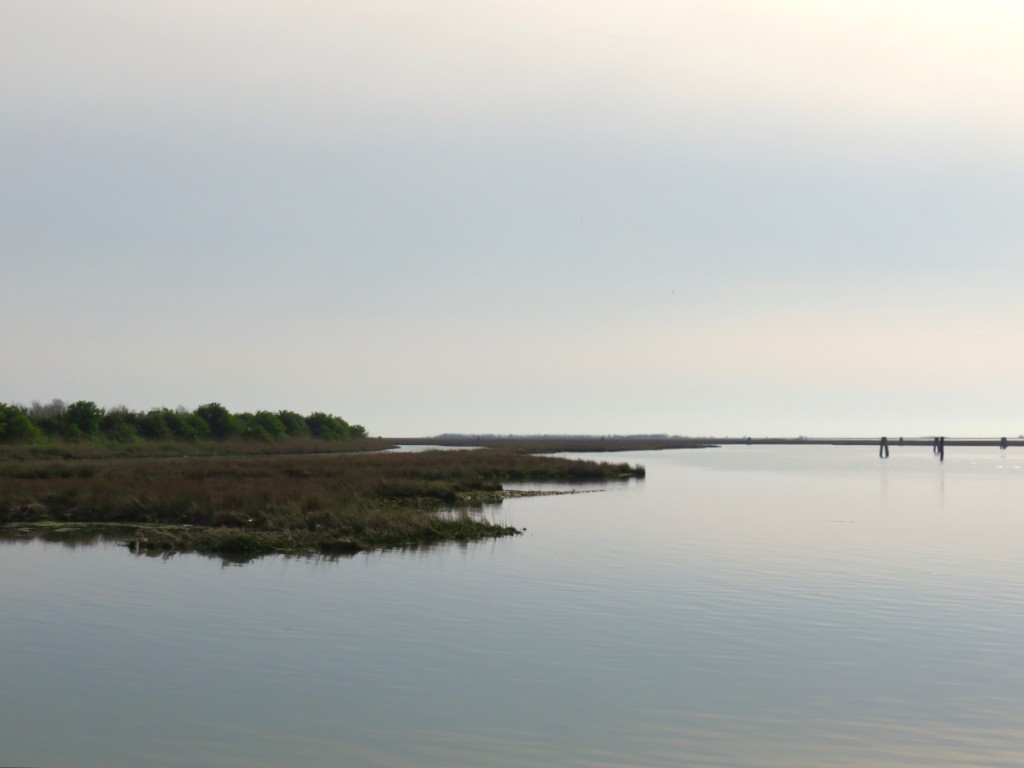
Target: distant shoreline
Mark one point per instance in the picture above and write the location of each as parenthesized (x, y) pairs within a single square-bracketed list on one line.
[(596, 444)]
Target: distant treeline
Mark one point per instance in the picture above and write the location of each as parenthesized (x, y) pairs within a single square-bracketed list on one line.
[(84, 420)]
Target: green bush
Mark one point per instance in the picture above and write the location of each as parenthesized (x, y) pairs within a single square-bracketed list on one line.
[(86, 416), (16, 427), (294, 424), (122, 432), (120, 425), (269, 424), (220, 422), (155, 425), (187, 426), (262, 425), (327, 427)]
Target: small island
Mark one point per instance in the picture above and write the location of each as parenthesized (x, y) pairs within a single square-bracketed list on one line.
[(239, 486)]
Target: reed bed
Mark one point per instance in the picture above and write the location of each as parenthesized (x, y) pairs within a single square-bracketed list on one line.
[(255, 504)]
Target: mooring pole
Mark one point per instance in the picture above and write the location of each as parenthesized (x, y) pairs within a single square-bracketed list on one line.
[(883, 448), (942, 449)]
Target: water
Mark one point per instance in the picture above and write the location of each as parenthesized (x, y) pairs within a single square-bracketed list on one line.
[(744, 606)]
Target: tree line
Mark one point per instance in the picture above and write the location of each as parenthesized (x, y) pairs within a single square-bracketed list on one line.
[(84, 420)]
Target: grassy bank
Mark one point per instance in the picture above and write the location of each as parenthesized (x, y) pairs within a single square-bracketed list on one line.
[(248, 504)]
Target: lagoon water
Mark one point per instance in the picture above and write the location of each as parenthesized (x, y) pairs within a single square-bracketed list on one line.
[(742, 606)]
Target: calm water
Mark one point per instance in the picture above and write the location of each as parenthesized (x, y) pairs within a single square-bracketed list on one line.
[(744, 606)]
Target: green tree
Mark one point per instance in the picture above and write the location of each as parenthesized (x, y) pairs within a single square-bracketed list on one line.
[(154, 425), (120, 424), (219, 421), (186, 425), (86, 416), (16, 426), (268, 426), (327, 427), (294, 424)]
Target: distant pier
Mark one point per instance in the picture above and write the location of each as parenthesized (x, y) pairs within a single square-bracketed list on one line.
[(938, 444), (924, 442)]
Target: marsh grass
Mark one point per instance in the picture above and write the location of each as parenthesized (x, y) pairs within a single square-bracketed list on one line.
[(62, 449), (252, 504)]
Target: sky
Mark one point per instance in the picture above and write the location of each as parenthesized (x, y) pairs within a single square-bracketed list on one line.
[(729, 218)]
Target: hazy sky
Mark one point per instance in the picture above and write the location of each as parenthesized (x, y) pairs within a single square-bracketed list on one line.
[(728, 217)]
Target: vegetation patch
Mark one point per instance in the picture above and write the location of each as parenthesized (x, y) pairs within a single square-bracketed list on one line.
[(243, 505), (84, 421)]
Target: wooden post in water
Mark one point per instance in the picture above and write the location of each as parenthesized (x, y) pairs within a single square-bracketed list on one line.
[(942, 449), (883, 448)]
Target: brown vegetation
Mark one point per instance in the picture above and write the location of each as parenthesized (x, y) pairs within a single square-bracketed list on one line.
[(252, 504)]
